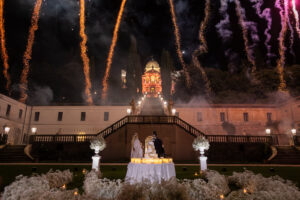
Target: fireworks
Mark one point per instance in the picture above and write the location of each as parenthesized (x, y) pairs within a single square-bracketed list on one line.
[(203, 48), (111, 51), (296, 15), (281, 60), (241, 15), (265, 14), (223, 26), (203, 73), (28, 51), (84, 56), (177, 40), (291, 36), (3, 48)]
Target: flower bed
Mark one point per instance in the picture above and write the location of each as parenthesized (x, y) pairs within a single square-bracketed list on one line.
[(211, 186)]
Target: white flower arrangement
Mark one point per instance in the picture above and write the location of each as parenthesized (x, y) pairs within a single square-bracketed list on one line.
[(98, 144), (249, 186), (200, 143), (58, 178), (96, 188), (37, 186)]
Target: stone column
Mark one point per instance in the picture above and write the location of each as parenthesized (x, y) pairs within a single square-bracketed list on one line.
[(96, 162), (202, 159)]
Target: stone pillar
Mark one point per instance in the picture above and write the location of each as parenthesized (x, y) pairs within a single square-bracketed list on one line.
[(96, 162), (203, 159), (203, 163)]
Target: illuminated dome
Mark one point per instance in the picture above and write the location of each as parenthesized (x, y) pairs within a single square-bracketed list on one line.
[(152, 65)]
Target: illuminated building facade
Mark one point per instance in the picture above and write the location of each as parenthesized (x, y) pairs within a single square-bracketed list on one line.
[(151, 80)]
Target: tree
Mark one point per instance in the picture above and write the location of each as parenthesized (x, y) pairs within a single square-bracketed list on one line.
[(134, 69), (167, 66), (292, 76)]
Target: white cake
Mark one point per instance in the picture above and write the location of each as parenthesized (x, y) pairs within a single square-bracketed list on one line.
[(150, 149)]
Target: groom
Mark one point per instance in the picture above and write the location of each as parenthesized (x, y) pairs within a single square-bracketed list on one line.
[(158, 144)]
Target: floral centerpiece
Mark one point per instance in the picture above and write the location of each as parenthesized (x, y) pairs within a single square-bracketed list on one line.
[(98, 144), (200, 144)]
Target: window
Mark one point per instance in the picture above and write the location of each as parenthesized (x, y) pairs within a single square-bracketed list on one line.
[(199, 116), (106, 116), (246, 117), (8, 110), (20, 113), (59, 116), (82, 118), (36, 116), (222, 116), (269, 117)]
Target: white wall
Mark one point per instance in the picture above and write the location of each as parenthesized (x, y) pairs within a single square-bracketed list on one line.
[(17, 125), (71, 122), (211, 124)]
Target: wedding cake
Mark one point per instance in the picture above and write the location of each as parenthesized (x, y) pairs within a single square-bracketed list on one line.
[(150, 151)]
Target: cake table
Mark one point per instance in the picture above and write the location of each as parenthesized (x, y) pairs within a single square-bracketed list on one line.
[(150, 169)]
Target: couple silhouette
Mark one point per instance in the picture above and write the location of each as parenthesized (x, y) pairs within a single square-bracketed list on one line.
[(137, 147)]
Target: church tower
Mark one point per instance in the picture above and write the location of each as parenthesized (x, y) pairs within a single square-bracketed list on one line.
[(151, 80)]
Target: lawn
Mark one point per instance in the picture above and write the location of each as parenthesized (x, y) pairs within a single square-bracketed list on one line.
[(9, 172)]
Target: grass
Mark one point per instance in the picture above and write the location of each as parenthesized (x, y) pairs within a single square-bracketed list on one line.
[(9, 172)]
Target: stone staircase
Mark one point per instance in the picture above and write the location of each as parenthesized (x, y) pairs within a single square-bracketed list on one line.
[(152, 106), (13, 153), (286, 155)]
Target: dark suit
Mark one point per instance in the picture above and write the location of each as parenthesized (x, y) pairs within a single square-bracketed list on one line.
[(159, 147)]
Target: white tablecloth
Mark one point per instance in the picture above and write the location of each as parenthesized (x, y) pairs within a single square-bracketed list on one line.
[(152, 172)]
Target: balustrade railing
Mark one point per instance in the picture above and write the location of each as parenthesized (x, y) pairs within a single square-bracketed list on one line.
[(60, 138), (240, 139), (138, 119)]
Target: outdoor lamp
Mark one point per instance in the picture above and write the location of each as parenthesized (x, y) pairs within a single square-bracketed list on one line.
[(128, 111), (294, 131), (6, 129), (173, 111), (33, 130), (268, 131)]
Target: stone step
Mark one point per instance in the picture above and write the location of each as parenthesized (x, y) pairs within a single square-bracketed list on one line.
[(286, 155), (13, 153)]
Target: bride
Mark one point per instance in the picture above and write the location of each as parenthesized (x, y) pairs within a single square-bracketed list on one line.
[(136, 147)]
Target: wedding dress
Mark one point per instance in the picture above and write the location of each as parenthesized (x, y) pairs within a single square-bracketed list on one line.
[(137, 150)]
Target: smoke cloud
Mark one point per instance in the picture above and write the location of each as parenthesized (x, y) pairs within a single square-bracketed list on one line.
[(40, 95)]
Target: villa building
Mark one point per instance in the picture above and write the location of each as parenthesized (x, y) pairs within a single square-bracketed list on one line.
[(211, 119)]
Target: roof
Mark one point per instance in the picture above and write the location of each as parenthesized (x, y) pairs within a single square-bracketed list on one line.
[(152, 65)]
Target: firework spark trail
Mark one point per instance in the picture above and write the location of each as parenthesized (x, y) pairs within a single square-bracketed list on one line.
[(204, 75), (203, 48), (224, 24), (111, 51), (282, 34), (296, 15), (241, 15), (291, 37), (28, 51), (177, 40), (3, 48), (265, 14), (85, 59)]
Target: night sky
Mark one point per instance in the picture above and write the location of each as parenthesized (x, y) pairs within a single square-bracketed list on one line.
[(56, 67)]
